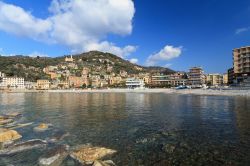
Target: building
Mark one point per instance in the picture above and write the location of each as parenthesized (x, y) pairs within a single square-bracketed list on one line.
[(166, 80), (133, 83), (214, 79), (12, 83), (196, 77), (75, 81), (43, 84), (225, 79), (241, 63), (231, 76), (2, 75), (69, 59), (29, 85)]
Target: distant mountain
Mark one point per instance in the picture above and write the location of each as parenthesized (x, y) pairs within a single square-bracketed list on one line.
[(31, 68)]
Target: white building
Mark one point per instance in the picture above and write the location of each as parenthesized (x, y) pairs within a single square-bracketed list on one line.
[(133, 83), (12, 83), (2, 75)]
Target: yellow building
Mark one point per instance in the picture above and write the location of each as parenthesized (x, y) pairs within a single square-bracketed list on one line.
[(214, 79), (42, 84), (225, 79)]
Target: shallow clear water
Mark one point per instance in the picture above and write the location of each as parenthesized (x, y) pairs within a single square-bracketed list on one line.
[(145, 129)]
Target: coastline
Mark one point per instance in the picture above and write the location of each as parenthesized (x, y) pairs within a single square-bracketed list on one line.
[(208, 92)]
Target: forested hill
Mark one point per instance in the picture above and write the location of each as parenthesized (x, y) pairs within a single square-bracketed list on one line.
[(31, 68)]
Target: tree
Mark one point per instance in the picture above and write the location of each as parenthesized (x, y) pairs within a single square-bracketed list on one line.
[(84, 86)]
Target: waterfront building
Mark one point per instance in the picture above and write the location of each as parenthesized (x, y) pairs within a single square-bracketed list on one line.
[(146, 79), (214, 79), (166, 80), (115, 80), (29, 85), (75, 81), (231, 76), (225, 79), (133, 83), (12, 83), (241, 63), (63, 85), (2, 75), (196, 77), (177, 75), (43, 84)]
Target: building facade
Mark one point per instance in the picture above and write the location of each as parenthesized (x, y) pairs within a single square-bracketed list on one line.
[(133, 83), (161, 80), (196, 76), (43, 84), (241, 63), (12, 83), (225, 79), (214, 79)]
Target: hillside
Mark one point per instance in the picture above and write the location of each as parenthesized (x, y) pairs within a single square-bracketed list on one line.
[(32, 68)]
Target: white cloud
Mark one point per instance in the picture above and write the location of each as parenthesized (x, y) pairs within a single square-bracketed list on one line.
[(241, 30), (15, 20), (36, 54), (168, 65), (167, 53), (133, 60), (80, 25)]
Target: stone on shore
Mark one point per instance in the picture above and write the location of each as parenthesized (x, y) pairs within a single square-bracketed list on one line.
[(8, 135), (41, 127), (24, 146), (87, 154), (55, 157)]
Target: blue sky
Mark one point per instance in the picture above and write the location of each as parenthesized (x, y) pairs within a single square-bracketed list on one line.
[(179, 33)]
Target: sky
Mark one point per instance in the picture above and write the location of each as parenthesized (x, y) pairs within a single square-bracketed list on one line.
[(178, 34)]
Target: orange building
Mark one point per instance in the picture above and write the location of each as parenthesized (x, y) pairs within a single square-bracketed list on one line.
[(76, 81)]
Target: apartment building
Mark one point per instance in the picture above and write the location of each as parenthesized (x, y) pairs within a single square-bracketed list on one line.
[(196, 76), (43, 84), (12, 83), (159, 80), (214, 79), (241, 57), (225, 79)]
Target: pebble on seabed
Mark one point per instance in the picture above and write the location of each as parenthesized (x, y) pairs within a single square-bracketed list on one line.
[(42, 127)]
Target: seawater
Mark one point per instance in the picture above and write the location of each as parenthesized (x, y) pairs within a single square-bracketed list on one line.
[(144, 128)]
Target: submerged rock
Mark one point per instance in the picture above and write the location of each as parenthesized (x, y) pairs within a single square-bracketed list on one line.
[(58, 136), (20, 125), (20, 147), (8, 135), (55, 157), (42, 127), (5, 120), (169, 148), (104, 163), (13, 114), (87, 154)]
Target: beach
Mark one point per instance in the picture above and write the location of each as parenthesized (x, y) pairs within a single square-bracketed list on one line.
[(215, 92)]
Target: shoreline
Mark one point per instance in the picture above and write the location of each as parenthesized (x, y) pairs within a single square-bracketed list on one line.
[(208, 92)]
